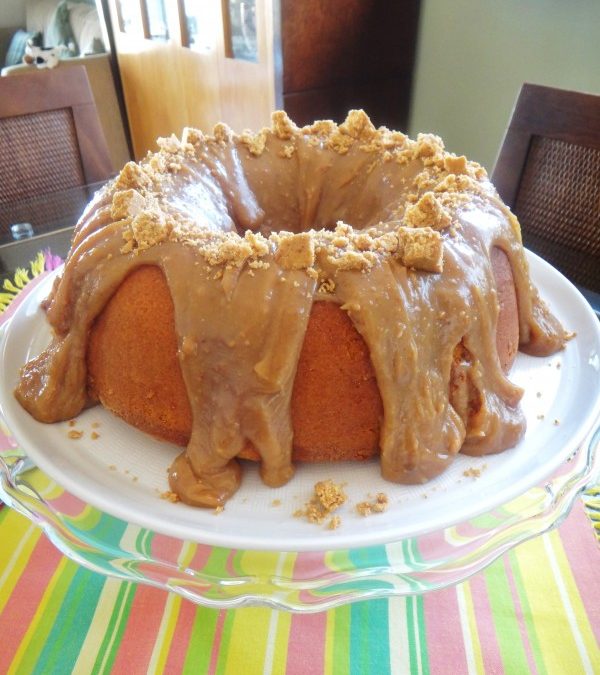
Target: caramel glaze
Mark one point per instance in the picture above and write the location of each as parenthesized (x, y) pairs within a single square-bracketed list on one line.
[(241, 313)]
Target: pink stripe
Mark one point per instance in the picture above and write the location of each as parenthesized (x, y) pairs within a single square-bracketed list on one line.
[(7, 442), (25, 599), (310, 566), (306, 644), (165, 548), (201, 556), (66, 503), (581, 548), (181, 638), (135, 650), (514, 594), (445, 645), (486, 630), (216, 648)]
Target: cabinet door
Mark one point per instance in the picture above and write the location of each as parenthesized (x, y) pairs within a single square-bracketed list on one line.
[(187, 63)]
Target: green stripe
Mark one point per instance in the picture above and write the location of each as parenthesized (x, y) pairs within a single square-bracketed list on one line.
[(505, 619), (72, 623), (198, 654), (143, 542), (216, 563), (37, 639), (419, 607), (369, 637), (341, 639), (412, 627), (115, 629), (527, 614), (420, 603), (225, 640)]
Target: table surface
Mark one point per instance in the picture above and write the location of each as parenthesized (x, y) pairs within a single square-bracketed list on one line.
[(536, 609)]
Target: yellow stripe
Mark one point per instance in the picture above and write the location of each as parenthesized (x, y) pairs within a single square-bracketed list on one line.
[(248, 641), (40, 614), (585, 636), (165, 634), (97, 628), (282, 638), (329, 643), (170, 616), (21, 539), (469, 625), (556, 642), (276, 650)]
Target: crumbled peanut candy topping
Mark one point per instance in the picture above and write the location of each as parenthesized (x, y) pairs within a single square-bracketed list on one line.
[(327, 497), (379, 504), (428, 212), (170, 496), (474, 472), (444, 184), (296, 251)]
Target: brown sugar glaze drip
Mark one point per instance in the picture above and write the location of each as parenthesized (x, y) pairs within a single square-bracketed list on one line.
[(216, 215)]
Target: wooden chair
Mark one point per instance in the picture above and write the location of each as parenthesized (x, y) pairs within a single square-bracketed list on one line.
[(548, 172), (51, 142)]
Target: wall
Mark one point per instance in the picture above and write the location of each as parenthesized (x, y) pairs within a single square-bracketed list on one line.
[(12, 13), (473, 56)]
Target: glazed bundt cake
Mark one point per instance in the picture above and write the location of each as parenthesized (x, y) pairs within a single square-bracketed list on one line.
[(315, 294)]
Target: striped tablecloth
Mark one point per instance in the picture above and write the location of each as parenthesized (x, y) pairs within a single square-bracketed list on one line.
[(536, 609)]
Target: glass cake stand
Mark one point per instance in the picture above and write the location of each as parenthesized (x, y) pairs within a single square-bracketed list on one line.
[(299, 581)]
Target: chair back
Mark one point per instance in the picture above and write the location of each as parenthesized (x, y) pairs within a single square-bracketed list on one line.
[(50, 137), (548, 172)]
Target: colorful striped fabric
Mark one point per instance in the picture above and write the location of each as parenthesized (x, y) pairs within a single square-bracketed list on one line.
[(536, 609)]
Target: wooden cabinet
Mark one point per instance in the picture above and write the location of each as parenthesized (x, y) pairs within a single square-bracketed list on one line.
[(343, 54), (315, 58)]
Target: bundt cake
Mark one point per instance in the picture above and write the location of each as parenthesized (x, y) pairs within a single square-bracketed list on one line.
[(315, 294)]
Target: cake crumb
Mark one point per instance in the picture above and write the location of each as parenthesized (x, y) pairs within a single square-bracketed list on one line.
[(112, 467), (327, 286), (334, 523), (474, 472), (170, 496), (377, 505), (287, 151), (72, 423), (327, 497), (218, 509), (95, 425), (276, 502), (95, 435), (74, 434)]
